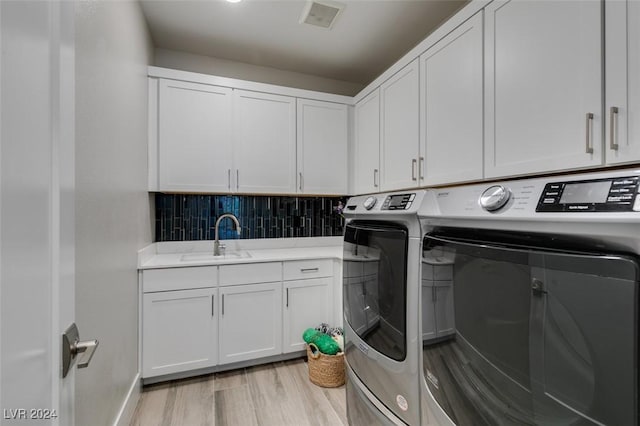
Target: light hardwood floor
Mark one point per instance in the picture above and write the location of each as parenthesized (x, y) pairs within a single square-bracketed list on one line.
[(267, 395)]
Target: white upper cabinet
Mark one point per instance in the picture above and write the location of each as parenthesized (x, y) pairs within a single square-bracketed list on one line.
[(211, 134), (264, 142), (399, 129), (622, 98), (451, 106), (322, 147), (543, 86), (194, 137), (367, 144)]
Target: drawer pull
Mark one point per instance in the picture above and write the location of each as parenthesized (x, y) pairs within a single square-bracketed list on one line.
[(309, 269), (287, 297)]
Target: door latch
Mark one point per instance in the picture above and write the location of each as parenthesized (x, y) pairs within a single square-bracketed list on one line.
[(72, 346), (537, 287)]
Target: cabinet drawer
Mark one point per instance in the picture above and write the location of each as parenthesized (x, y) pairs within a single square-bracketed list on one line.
[(179, 278), (250, 273), (302, 269)]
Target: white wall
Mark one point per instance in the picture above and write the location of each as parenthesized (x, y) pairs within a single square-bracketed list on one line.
[(113, 50), (224, 68)]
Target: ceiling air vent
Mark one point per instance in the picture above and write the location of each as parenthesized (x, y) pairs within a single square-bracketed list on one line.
[(321, 13)]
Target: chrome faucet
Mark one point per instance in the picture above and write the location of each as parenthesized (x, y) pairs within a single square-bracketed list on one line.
[(216, 243)]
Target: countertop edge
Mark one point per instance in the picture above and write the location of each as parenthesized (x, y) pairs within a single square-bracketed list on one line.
[(172, 260)]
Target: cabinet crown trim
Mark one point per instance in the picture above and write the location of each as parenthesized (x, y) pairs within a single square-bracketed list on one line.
[(193, 77)]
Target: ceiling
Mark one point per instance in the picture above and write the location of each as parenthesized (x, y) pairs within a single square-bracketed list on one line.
[(367, 37)]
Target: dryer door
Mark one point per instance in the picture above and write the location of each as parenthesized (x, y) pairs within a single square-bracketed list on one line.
[(545, 332)]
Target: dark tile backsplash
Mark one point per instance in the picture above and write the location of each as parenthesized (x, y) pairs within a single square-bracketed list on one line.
[(193, 217)]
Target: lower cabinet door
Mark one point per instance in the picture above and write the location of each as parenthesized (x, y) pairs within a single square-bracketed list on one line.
[(250, 322), (306, 304), (179, 331)]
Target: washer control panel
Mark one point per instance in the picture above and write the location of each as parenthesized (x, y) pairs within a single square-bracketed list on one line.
[(494, 198), (398, 202), (596, 195), (370, 202)]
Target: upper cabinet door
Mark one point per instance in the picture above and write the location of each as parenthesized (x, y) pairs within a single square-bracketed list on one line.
[(400, 129), (543, 86), (366, 157), (622, 98), (264, 143), (194, 137), (322, 147), (451, 106)]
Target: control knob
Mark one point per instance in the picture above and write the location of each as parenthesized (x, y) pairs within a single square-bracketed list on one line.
[(370, 202), (494, 198)]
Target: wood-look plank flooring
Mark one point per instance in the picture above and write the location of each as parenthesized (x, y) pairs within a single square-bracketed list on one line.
[(275, 394)]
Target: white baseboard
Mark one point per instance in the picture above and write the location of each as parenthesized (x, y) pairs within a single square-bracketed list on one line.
[(131, 401)]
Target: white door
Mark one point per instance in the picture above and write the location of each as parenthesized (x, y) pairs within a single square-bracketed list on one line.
[(306, 304), (622, 97), (36, 210), (445, 318), (250, 322), (194, 137), (428, 311), (264, 143), (543, 86), (400, 129), (322, 147), (180, 331), (451, 106), (367, 144)]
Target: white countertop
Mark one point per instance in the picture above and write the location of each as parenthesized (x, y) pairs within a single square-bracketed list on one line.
[(200, 253)]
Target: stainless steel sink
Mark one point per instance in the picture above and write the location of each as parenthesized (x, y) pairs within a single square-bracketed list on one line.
[(204, 257)]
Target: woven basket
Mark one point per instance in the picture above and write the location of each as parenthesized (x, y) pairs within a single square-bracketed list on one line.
[(325, 370)]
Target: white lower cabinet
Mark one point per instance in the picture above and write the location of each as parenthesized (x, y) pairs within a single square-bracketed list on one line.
[(246, 312), (250, 322), (437, 309), (307, 303), (179, 331)]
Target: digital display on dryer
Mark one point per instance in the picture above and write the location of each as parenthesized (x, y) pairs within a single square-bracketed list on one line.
[(618, 194), (590, 192)]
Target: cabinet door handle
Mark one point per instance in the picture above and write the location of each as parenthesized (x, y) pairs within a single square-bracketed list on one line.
[(613, 130), (309, 269), (421, 168), (287, 298), (300, 176), (237, 179), (229, 179), (223, 304), (375, 178), (589, 140), (414, 164), (213, 304)]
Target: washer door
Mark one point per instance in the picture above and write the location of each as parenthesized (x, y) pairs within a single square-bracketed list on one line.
[(375, 286)]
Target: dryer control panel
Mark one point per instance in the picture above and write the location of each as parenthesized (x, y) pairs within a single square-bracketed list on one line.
[(618, 194), (398, 202)]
